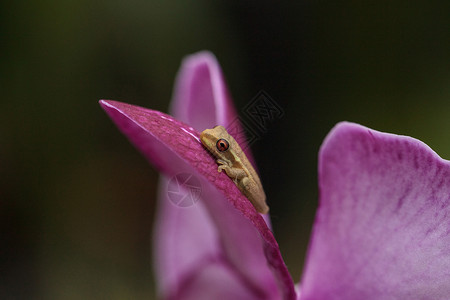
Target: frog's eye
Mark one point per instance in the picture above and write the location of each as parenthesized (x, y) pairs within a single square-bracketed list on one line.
[(222, 145)]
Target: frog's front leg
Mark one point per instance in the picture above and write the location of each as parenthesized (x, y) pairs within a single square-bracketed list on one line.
[(234, 173)]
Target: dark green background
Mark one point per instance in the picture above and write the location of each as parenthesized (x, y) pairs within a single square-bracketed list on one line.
[(77, 200)]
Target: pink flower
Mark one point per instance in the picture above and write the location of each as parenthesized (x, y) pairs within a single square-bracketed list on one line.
[(382, 229)]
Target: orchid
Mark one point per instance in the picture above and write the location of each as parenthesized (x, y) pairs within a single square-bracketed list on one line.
[(382, 229)]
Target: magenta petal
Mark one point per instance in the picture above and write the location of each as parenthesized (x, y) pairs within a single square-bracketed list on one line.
[(183, 237), (247, 243), (201, 99), (382, 230), (215, 279)]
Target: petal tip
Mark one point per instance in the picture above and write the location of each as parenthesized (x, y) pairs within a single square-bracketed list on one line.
[(201, 57), (338, 130), (200, 96), (105, 104)]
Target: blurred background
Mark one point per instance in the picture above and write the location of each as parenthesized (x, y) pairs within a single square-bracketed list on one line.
[(77, 201)]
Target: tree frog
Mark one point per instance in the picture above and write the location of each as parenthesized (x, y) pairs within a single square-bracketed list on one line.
[(233, 160)]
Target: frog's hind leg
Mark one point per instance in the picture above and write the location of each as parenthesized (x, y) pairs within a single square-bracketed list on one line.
[(244, 184), (234, 173)]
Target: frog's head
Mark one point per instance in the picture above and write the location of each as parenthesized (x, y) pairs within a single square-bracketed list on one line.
[(217, 141)]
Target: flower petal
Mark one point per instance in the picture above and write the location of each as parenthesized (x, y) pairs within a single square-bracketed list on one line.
[(174, 147), (201, 99), (197, 95), (183, 237), (215, 279), (382, 230)]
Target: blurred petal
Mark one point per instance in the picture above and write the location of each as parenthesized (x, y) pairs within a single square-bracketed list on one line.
[(214, 279), (201, 100), (247, 244), (382, 230), (177, 251)]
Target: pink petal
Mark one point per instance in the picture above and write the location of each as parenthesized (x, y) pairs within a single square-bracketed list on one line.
[(382, 230), (247, 243), (201, 99), (183, 237), (215, 279)]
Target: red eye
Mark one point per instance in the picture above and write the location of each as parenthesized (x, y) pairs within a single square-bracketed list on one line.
[(222, 145)]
